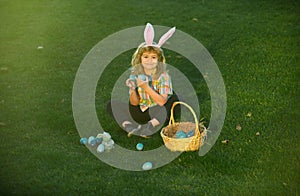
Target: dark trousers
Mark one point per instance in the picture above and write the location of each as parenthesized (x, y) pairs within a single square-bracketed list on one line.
[(121, 112)]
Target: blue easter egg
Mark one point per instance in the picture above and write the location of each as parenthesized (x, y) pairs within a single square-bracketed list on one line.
[(190, 133), (147, 166), (101, 148), (132, 77), (142, 77), (180, 134), (83, 140), (98, 140), (139, 146), (92, 141)]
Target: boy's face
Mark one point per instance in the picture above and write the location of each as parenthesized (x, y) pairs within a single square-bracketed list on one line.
[(149, 60)]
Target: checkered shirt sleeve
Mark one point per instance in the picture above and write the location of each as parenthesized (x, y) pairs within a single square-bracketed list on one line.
[(164, 84)]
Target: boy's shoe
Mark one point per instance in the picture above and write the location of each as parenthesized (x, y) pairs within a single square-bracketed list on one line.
[(147, 130), (131, 129)]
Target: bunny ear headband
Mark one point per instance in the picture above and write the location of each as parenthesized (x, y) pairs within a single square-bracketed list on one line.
[(149, 36)]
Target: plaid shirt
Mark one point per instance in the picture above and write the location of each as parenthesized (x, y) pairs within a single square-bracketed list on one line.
[(162, 85)]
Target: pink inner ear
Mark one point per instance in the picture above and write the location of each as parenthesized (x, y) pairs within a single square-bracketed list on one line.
[(166, 36), (149, 34)]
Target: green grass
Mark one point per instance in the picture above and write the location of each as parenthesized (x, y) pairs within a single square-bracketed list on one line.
[(254, 43)]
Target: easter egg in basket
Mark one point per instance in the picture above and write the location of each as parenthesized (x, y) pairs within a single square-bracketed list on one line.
[(180, 134), (190, 133)]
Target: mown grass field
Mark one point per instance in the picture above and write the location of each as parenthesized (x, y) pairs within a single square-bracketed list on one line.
[(255, 45)]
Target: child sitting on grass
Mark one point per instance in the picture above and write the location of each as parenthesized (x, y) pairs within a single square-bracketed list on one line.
[(150, 89)]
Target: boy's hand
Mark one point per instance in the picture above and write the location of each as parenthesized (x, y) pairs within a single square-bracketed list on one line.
[(130, 83), (142, 83)]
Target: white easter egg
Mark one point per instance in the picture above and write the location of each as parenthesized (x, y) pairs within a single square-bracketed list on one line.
[(147, 165), (101, 148), (106, 136)]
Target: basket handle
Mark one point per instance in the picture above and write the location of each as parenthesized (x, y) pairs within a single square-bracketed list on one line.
[(172, 121)]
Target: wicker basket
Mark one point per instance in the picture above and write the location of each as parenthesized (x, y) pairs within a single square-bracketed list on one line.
[(183, 144)]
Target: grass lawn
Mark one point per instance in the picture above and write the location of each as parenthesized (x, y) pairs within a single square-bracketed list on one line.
[(255, 44)]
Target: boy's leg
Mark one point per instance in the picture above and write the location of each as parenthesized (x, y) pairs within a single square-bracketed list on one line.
[(159, 115), (120, 112)]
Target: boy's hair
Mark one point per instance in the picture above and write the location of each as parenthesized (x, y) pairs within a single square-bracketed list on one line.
[(136, 60)]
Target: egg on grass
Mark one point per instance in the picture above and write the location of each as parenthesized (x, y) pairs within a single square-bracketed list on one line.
[(92, 141), (99, 140), (147, 165), (83, 140), (139, 146), (101, 148)]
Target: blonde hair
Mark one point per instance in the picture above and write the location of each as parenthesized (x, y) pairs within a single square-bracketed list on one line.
[(136, 60)]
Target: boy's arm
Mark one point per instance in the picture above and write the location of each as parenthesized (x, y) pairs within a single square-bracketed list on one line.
[(160, 99), (134, 97)]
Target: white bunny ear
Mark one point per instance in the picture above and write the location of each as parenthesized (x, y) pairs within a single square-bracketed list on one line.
[(149, 34), (166, 36)]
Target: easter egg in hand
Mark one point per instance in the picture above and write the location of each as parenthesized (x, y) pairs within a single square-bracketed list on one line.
[(142, 77), (83, 140), (180, 134), (190, 133), (132, 77), (101, 148), (139, 146), (147, 165)]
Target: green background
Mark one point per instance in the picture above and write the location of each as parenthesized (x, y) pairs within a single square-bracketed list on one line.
[(255, 44)]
